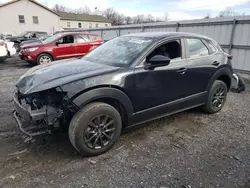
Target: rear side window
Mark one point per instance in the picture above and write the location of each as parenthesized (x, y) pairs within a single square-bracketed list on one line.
[(81, 39), (210, 46), (197, 48), (93, 38)]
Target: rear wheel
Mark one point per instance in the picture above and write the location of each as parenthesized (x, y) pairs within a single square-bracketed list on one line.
[(44, 59), (216, 98), (95, 128)]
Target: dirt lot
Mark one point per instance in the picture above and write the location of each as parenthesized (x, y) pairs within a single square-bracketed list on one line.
[(190, 149)]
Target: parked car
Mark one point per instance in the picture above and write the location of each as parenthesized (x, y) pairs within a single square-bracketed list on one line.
[(7, 49), (60, 46), (27, 35), (3, 51), (126, 81), (34, 41)]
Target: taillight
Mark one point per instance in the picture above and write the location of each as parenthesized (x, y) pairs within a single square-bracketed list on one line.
[(3, 44)]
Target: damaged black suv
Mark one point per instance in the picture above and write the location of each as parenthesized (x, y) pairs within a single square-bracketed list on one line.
[(126, 81)]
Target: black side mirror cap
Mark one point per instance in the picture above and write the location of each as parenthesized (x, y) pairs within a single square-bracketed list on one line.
[(157, 61)]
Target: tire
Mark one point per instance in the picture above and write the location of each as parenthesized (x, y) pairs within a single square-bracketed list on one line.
[(216, 97), (43, 57), (81, 130), (2, 59)]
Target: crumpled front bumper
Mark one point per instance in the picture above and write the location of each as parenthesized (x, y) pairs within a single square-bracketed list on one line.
[(24, 116)]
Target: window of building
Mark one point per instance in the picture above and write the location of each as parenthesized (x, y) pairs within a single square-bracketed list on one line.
[(80, 25), (197, 48), (68, 24), (90, 25), (96, 25), (21, 19), (35, 19)]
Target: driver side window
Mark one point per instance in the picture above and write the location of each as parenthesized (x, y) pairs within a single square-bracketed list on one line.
[(69, 39), (170, 49)]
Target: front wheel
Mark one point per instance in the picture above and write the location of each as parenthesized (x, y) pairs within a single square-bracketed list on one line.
[(216, 97), (44, 59), (95, 128)]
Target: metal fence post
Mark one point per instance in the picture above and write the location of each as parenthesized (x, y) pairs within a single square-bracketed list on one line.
[(119, 31), (142, 28), (102, 33), (232, 36), (177, 26)]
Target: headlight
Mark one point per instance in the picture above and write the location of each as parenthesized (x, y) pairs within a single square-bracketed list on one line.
[(31, 49)]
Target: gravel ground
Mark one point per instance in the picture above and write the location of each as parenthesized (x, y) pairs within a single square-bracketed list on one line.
[(190, 149)]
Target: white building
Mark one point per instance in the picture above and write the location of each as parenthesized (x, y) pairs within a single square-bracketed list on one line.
[(27, 15), (85, 21), (18, 16)]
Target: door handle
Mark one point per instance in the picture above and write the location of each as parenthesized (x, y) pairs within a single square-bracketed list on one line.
[(216, 63), (182, 70)]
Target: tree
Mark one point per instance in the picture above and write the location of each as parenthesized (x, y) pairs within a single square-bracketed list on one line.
[(207, 16), (165, 16), (128, 20), (149, 19), (115, 17), (229, 12), (84, 9), (139, 19), (60, 8)]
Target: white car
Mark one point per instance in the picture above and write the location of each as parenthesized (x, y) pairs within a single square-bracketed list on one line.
[(7, 49)]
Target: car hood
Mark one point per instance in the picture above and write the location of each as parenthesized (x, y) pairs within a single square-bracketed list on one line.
[(58, 73), (32, 45)]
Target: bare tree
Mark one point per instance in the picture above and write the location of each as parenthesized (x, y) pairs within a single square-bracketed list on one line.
[(165, 16), (207, 16), (84, 9), (60, 8), (115, 17), (229, 12), (128, 20), (139, 19), (149, 19)]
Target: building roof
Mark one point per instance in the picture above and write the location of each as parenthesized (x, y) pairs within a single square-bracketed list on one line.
[(33, 1), (83, 17)]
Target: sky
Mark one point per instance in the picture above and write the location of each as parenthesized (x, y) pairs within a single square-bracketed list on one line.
[(176, 9)]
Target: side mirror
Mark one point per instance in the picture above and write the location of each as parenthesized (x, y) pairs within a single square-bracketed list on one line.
[(57, 43), (157, 61)]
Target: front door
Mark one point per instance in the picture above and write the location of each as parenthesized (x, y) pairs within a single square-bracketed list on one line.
[(64, 47), (163, 86)]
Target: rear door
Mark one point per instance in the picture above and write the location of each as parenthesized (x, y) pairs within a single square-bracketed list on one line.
[(202, 63), (64, 47), (82, 44)]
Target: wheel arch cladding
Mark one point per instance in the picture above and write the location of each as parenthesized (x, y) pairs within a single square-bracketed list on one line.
[(224, 74), (115, 97)]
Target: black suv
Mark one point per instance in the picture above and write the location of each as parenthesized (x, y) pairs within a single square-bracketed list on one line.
[(25, 36), (126, 81)]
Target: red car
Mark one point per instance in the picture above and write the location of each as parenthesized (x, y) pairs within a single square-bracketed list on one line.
[(60, 46)]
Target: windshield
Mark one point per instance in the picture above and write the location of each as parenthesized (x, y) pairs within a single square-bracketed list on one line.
[(23, 34), (120, 51), (42, 38), (51, 39)]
